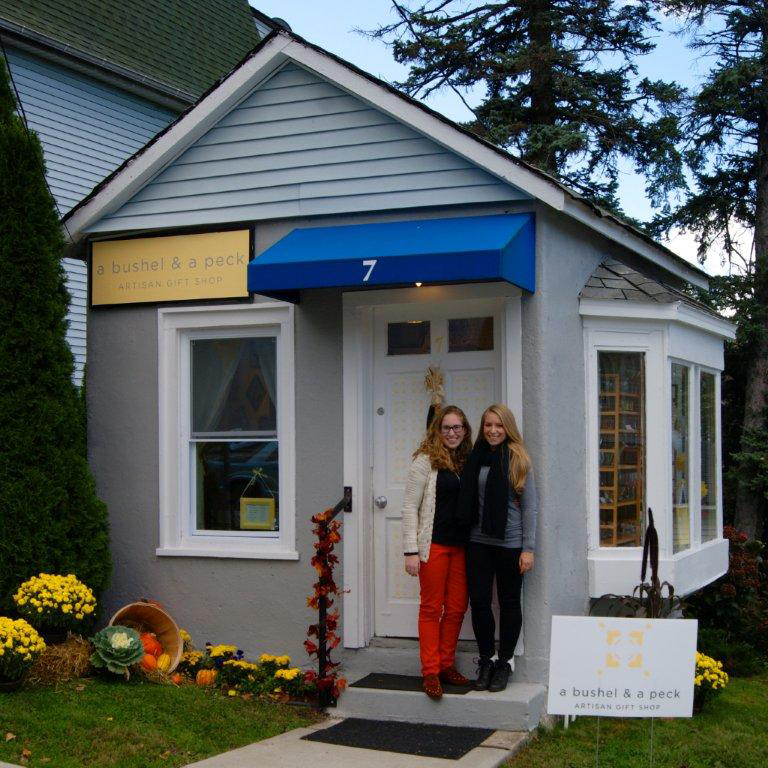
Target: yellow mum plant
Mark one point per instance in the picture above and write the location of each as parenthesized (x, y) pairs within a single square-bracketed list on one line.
[(20, 645), (710, 678), (55, 602)]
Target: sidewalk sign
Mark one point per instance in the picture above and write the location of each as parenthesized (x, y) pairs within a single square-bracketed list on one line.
[(622, 667)]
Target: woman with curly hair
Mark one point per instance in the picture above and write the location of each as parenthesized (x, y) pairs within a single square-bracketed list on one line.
[(498, 502), (434, 545)]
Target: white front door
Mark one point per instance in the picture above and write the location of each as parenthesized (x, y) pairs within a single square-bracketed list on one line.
[(463, 339)]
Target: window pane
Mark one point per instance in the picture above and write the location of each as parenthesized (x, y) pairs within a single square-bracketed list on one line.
[(410, 338), (681, 524), (621, 448), (237, 488), (708, 458), (233, 385), (473, 334)]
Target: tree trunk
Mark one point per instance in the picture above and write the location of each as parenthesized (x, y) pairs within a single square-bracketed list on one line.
[(542, 110), (750, 506)]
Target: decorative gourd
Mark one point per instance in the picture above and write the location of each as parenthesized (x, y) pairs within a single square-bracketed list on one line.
[(149, 662), (163, 662), (149, 641), (177, 679), (206, 677)]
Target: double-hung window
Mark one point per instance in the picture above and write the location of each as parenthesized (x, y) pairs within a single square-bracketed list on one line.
[(226, 431)]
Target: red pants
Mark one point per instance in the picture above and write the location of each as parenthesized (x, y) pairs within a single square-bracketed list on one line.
[(443, 581)]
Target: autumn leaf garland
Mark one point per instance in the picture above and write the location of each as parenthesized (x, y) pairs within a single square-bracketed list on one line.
[(327, 531)]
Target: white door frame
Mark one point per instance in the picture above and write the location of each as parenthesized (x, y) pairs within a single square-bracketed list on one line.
[(357, 559)]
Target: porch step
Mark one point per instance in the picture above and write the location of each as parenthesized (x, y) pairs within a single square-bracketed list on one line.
[(396, 656), (518, 708)]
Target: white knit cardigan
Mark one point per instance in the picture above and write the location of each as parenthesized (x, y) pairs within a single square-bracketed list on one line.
[(419, 507)]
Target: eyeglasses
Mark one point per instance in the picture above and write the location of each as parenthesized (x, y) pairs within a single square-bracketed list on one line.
[(456, 429)]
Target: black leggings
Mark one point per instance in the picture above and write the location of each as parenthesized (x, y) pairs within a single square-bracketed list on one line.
[(484, 563)]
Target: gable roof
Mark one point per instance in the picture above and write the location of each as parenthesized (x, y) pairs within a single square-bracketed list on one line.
[(183, 45), (281, 46)]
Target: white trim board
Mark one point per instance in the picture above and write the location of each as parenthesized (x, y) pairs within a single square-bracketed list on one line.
[(284, 46)]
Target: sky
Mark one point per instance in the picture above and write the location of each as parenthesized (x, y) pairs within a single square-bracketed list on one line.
[(332, 25)]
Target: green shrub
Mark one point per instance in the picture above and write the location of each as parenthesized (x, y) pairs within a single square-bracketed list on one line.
[(739, 659), (50, 518), (733, 611)]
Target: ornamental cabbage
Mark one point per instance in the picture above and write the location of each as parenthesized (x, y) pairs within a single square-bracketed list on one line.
[(116, 648)]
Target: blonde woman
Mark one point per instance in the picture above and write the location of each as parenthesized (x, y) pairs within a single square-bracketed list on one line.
[(434, 545), (498, 501)]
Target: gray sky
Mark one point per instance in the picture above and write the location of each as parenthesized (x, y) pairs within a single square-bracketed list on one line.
[(331, 24)]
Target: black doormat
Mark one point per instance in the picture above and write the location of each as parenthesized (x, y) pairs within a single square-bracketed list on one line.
[(443, 741), (403, 683)]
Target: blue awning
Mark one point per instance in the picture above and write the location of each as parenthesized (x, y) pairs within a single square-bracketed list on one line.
[(460, 250)]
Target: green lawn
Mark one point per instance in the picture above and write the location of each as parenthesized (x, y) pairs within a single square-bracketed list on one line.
[(132, 725), (730, 733)]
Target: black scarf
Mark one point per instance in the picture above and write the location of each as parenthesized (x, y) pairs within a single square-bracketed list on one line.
[(496, 499)]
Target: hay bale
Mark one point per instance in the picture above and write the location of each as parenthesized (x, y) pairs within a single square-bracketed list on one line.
[(61, 662)]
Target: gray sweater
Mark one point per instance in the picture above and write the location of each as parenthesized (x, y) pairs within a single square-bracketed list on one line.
[(521, 516)]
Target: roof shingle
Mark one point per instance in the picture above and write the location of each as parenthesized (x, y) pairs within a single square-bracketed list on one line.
[(185, 44), (614, 280)]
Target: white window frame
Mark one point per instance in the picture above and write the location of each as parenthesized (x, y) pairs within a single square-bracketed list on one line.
[(177, 327), (718, 451), (665, 334)]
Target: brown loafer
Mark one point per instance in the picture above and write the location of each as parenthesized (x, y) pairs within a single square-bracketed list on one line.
[(454, 677), (432, 687)]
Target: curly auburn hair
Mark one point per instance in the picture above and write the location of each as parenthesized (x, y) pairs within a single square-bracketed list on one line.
[(433, 446)]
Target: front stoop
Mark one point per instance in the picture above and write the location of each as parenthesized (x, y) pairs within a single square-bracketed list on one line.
[(519, 708)]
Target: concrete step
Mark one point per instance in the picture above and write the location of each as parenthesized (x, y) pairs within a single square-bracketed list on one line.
[(397, 656), (518, 708)]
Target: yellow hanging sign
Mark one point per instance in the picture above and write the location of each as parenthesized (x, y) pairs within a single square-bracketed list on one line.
[(213, 265)]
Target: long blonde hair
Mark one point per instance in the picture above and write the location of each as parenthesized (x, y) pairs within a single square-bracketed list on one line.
[(519, 460), (432, 445)]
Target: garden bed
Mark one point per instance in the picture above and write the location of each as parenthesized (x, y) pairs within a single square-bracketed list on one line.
[(97, 723), (729, 733)]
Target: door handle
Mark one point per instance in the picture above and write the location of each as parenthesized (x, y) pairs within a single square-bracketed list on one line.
[(380, 501)]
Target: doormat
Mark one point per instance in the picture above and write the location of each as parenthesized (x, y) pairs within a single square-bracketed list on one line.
[(403, 683), (441, 741)]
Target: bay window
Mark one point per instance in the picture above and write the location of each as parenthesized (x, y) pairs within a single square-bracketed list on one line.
[(653, 434)]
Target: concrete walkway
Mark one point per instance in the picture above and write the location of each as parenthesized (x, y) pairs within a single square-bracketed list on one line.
[(289, 750)]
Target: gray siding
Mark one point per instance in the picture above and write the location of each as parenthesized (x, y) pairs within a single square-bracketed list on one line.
[(299, 146), (77, 285), (87, 129)]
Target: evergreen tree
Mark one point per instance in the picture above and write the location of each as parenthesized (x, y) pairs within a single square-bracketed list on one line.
[(50, 518), (561, 85), (727, 154)]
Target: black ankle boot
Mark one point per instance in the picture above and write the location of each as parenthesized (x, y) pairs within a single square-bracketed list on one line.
[(484, 674), (499, 677)]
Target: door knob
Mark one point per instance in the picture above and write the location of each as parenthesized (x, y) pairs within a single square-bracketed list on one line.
[(380, 501)]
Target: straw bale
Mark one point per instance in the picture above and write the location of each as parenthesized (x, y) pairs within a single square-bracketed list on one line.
[(62, 662)]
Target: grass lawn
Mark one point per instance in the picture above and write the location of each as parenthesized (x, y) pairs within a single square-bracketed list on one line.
[(132, 725), (730, 733)]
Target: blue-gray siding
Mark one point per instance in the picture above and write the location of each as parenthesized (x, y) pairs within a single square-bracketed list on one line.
[(300, 146), (87, 129), (77, 285)]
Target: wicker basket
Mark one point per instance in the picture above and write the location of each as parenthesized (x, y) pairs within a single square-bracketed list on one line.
[(147, 616)]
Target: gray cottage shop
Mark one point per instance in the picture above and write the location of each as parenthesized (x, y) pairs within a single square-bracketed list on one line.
[(270, 279)]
